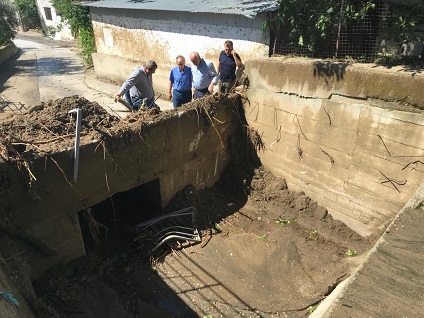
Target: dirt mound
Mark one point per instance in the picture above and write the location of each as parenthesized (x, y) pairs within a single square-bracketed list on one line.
[(266, 251), (49, 127)]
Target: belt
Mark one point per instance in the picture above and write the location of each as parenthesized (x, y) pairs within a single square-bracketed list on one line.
[(182, 91), (228, 80), (202, 90), (137, 97)]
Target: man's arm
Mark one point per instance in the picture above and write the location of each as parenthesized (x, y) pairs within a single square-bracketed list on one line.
[(213, 75), (238, 61), (130, 82), (170, 90), (171, 81)]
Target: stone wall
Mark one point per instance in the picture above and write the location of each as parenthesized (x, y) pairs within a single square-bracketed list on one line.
[(7, 51), (350, 136)]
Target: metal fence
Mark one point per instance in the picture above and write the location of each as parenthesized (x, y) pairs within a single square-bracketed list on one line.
[(362, 40), (7, 105)]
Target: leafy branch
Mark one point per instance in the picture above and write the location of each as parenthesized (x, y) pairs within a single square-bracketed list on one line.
[(79, 19)]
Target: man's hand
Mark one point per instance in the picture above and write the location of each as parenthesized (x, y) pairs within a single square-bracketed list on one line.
[(210, 88), (117, 97), (170, 95)]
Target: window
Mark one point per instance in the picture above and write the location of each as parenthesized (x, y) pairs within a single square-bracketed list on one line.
[(48, 13)]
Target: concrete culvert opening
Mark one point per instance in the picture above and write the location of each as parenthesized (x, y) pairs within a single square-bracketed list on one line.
[(266, 250), (115, 218)]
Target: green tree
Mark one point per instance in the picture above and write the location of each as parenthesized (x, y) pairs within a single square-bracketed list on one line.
[(79, 19), (309, 23), (8, 22), (303, 22), (402, 21), (28, 12)]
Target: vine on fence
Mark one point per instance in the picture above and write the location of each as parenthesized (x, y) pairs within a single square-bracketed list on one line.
[(335, 28), (309, 23)]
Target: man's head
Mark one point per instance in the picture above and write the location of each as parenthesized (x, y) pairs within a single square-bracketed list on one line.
[(180, 60), (228, 47), (150, 67), (195, 58)]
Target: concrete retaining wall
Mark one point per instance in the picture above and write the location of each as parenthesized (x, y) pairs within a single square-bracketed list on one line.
[(333, 131), (7, 51), (179, 151), (118, 69)]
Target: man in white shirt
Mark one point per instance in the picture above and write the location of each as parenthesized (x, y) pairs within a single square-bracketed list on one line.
[(204, 75)]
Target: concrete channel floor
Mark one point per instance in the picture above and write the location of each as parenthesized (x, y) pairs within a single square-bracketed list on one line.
[(389, 282)]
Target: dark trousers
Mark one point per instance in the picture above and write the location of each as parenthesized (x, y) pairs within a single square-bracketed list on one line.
[(200, 92), (137, 102), (180, 97), (225, 87)]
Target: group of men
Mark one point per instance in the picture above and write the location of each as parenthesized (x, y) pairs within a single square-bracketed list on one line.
[(185, 82)]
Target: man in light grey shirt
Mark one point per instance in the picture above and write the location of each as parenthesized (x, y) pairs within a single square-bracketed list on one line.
[(138, 88), (204, 75)]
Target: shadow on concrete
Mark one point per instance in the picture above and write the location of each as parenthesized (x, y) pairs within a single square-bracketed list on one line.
[(413, 68), (13, 67), (211, 284), (28, 66), (330, 69), (58, 66)]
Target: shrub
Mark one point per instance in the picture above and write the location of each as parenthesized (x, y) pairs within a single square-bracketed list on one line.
[(8, 22)]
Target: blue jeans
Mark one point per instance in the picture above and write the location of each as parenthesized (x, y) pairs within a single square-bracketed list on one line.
[(128, 98), (180, 97), (225, 87), (201, 92), (136, 102)]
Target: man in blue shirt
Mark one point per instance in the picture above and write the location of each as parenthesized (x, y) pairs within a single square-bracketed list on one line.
[(180, 80), (204, 75), (228, 61)]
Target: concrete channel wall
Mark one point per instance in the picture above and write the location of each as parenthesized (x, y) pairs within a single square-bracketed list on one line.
[(179, 150), (350, 136)]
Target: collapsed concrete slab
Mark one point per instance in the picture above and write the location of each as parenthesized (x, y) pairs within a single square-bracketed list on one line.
[(40, 200)]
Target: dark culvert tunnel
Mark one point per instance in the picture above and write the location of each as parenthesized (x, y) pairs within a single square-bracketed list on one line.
[(109, 226)]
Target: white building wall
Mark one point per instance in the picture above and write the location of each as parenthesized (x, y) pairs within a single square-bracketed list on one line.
[(162, 36), (55, 22)]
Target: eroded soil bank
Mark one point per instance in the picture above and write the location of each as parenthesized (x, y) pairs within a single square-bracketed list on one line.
[(266, 251)]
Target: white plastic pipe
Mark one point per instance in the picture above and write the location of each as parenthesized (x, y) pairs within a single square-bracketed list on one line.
[(77, 140)]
